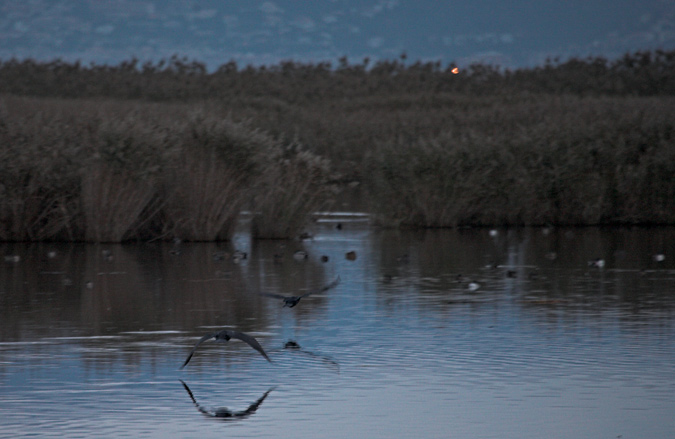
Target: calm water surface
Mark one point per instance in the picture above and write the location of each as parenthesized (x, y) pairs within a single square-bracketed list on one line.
[(546, 346)]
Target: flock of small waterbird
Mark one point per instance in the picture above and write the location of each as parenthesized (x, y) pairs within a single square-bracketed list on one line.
[(293, 300), (290, 301)]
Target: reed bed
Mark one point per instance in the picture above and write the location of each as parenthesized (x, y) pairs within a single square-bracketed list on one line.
[(573, 161), (111, 171), (292, 187), (162, 151)]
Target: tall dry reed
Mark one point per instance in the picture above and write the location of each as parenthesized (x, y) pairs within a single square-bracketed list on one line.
[(113, 171), (292, 186), (210, 178), (114, 203), (576, 161), (433, 149)]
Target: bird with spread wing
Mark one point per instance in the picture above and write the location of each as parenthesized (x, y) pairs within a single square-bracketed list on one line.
[(224, 336), (291, 301)]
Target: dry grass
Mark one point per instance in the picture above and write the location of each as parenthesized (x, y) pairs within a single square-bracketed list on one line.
[(116, 205), (566, 160), (204, 199), (109, 171), (293, 185), (578, 142)]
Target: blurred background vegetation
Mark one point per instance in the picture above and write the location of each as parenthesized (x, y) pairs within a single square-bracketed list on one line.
[(164, 150)]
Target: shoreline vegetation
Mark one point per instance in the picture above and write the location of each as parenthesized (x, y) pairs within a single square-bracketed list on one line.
[(170, 150)]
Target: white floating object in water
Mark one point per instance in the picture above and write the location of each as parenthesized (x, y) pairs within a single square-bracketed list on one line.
[(12, 258), (300, 255), (473, 286), (494, 233), (659, 257), (599, 263)]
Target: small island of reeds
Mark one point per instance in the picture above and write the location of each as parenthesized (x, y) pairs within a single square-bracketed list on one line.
[(162, 150)]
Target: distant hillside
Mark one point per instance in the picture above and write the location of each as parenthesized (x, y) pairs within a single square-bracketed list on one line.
[(511, 34)]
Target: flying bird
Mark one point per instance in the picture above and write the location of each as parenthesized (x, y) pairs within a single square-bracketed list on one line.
[(291, 301), (224, 412), (224, 336)]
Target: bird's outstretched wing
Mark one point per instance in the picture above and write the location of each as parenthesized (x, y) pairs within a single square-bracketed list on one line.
[(201, 340), (248, 339), (325, 288)]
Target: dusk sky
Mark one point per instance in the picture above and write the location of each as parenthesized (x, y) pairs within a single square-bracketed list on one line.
[(518, 33)]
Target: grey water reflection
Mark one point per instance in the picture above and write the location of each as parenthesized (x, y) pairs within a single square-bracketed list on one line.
[(436, 333), (225, 413)]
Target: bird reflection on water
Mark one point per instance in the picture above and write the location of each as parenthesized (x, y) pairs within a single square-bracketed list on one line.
[(223, 412), (292, 345)]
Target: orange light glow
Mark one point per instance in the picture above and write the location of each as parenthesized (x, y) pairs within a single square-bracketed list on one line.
[(455, 71)]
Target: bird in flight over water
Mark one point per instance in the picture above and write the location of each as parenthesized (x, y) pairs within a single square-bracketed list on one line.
[(224, 336), (291, 301)]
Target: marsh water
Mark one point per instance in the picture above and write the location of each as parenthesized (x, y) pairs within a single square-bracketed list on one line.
[(434, 334)]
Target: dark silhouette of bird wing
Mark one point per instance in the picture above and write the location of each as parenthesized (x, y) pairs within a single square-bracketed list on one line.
[(291, 301), (250, 341), (227, 334), (201, 340)]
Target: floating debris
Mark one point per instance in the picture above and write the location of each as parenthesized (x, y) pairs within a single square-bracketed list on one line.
[(300, 255), (598, 263), (473, 286), (239, 256)]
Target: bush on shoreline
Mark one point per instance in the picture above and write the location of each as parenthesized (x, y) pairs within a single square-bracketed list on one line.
[(111, 171), (573, 167)]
